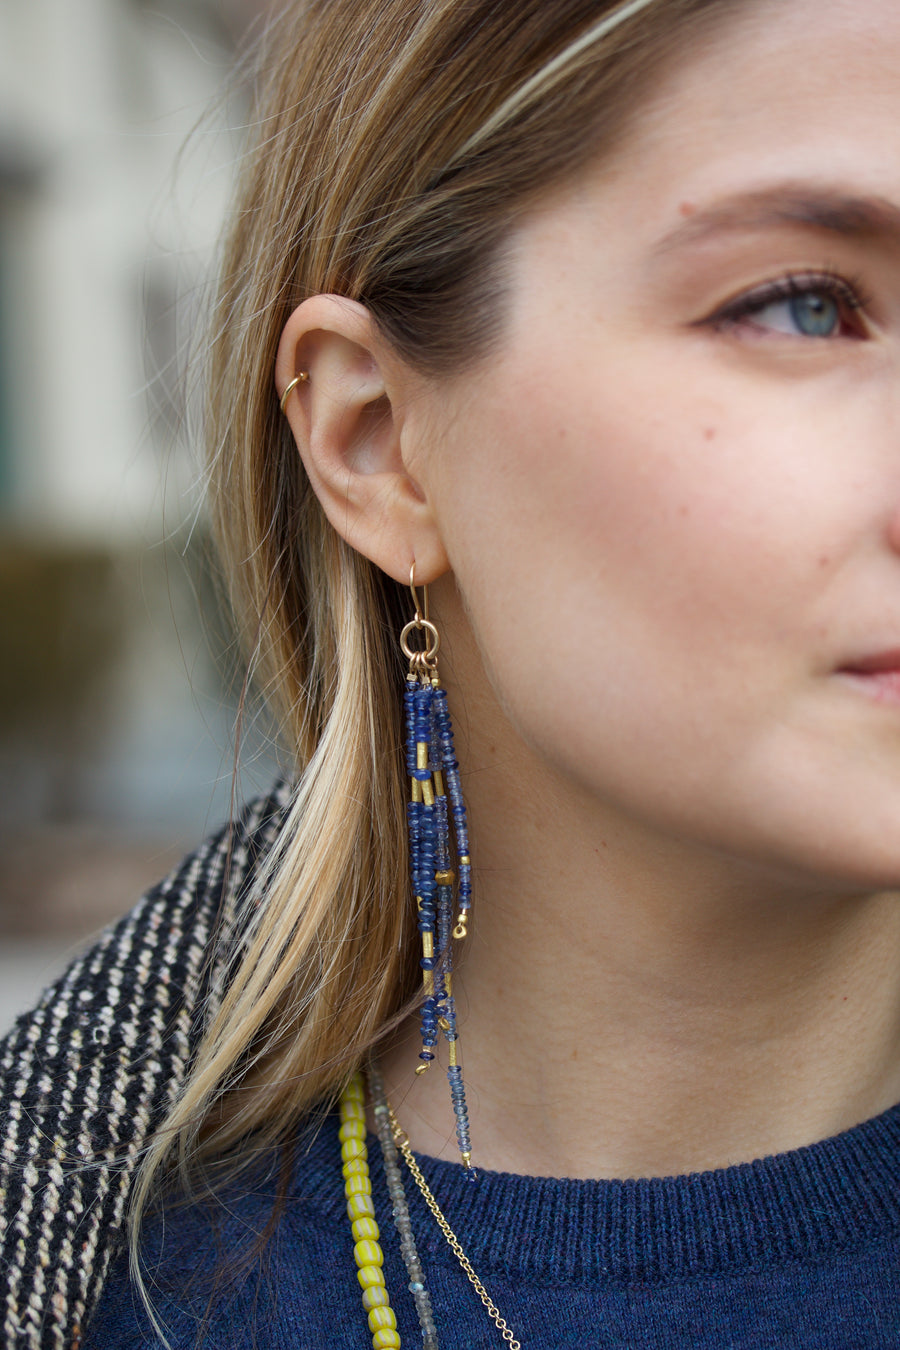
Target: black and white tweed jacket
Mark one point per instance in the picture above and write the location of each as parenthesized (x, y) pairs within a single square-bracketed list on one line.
[(87, 1077)]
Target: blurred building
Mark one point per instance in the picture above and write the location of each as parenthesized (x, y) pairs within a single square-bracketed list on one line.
[(114, 721)]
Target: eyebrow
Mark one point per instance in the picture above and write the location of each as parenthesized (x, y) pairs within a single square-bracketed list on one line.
[(827, 211)]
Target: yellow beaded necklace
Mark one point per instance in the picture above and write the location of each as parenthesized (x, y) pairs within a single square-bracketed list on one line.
[(361, 1212)]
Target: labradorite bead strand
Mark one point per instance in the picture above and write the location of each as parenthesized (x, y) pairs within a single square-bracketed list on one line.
[(402, 1221), (460, 1111), (450, 768), (444, 899)]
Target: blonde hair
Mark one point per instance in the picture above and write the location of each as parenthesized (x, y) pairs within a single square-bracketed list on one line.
[(394, 142)]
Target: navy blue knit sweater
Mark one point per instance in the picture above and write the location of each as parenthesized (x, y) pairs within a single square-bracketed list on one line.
[(800, 1251)]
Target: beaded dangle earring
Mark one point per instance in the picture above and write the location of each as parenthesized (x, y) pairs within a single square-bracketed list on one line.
[(434, 779)]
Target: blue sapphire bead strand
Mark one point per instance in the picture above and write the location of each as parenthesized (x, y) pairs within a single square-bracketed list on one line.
[(435, 807), (420, 813)]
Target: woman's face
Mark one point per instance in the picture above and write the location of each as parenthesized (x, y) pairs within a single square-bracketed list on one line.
[(671, 500)]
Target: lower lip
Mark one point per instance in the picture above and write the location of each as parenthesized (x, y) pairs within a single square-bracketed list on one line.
[(881, 685)]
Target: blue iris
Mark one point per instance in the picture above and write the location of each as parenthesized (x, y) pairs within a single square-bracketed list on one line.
[(815, 313)]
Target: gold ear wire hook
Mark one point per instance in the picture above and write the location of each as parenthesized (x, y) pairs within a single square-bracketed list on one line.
[(421, 615)]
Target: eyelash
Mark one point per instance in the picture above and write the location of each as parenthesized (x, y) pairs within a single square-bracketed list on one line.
[(848, 294)]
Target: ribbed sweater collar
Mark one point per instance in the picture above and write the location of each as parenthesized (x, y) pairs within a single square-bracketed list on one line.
[(837, 1194)]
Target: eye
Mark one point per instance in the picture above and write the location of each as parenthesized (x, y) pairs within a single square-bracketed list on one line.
[(814, 314), (808, 306)]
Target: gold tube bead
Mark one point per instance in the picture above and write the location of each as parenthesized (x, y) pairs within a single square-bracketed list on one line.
[(451, 1048), (428, 982), (428, 793), (416, 790), (421, 754), (439, 783), (428, 944)]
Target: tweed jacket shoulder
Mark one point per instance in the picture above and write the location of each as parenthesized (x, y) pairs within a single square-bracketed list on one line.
[(87, 1076)]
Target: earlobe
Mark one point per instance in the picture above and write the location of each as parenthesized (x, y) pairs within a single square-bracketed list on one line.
[(346, 419)]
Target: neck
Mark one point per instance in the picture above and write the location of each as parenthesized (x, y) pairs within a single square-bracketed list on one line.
[(630, 1007)]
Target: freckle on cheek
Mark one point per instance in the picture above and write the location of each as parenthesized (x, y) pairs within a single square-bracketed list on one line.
[(686, 209), (709, 433)]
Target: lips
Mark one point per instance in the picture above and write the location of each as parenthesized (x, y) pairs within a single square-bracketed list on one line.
[(882, 663), (877, 675)]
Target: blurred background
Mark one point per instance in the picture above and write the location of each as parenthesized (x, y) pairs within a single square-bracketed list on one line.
[(116, 709)]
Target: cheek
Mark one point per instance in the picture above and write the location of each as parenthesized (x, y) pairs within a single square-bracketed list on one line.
[(604, 528), (646, 563)]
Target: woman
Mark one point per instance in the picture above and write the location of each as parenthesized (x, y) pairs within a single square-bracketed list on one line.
[(586, 317)]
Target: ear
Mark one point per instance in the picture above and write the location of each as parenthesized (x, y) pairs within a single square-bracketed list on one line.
[(347, 421)]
